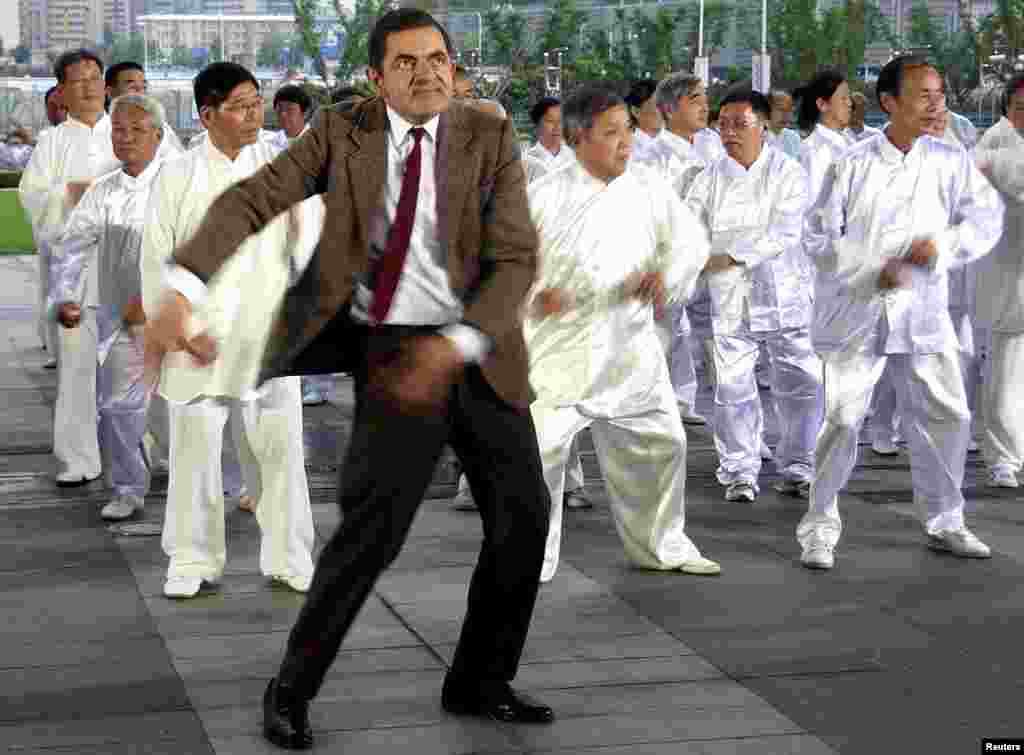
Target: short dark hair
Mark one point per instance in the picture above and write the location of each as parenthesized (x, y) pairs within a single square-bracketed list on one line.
[(71, 57), (890, 79), (51, 90), (214, 83), (1013, 88), (294, 93), (581, 108), (118, 68), (538, 111), (821, 87), (401, 19), (748, 96), (640, 91)]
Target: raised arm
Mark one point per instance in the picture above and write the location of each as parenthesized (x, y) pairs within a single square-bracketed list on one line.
[(75, 249)]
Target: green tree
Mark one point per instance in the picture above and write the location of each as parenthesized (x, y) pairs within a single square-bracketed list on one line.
[(128, 46), (181, 57), (356, 28), (308, 37), (562, 28), (269, 53), (505, 40)]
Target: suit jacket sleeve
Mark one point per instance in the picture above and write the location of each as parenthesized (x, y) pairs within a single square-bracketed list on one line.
[(509, 248), (243, 210)]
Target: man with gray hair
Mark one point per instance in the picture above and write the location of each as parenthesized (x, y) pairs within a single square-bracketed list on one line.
[(105, 232), (616, 243)]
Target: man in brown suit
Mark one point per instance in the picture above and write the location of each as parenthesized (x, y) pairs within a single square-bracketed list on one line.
[(427, 252)]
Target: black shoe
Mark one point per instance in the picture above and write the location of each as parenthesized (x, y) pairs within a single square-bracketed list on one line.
[(286, 718), (497, 701)]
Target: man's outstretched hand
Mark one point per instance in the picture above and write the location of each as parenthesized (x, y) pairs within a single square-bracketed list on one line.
[(168, 332)]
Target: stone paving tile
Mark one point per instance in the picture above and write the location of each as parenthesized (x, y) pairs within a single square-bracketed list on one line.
[(160, 730), (785, 744), (656, 644), (615, 672)]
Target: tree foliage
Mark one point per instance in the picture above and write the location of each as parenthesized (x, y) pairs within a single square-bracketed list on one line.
[(308, 37), (356, 27), (128, 46)]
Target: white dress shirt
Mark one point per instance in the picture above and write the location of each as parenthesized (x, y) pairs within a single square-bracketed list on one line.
[(756, 216), (874, 203)]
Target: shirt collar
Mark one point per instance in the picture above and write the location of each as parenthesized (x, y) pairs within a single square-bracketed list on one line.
[(400, 127), (72, 122), (676, 142), (139, 181), (733, 169), (891, 154), (832, 136)]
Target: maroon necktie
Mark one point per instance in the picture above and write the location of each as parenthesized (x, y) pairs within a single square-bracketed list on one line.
[(389, 267)]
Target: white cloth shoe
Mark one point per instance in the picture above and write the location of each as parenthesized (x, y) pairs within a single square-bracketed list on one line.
[(885, 447), (700, 566), (740, 491), (182, 587), (124, 507), (463, 501), (818, 555), (1002, 478), (73, 480), (298, 584), (962, 543), (690, 415)]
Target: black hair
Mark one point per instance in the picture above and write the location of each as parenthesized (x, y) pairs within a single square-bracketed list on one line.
[(71, 57), (214, 83), (538, 111), (397, 20), (821, 87), (51, 90), (296, 94), (118, 68), (581, 108), (746, 95), (1013, 87), (890, 79), (640, 91)]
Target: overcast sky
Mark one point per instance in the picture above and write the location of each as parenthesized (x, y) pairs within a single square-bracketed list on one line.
[(9, 23)]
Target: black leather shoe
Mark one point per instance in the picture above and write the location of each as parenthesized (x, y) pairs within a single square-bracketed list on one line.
[(286, 718), (497, 701)]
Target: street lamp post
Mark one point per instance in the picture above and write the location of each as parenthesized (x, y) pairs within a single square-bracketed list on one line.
[(480, 36), (145, 46), (701, 65)]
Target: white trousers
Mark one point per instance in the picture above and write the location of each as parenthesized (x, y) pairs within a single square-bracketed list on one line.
[(75, 421), (935, 422), (123, 404), (47, 324), (643, 461), (270, 446), (1002, 405), (681, 369), (739, 416)]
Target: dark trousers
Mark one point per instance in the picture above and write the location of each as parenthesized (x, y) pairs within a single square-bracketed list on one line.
[(390, 462)]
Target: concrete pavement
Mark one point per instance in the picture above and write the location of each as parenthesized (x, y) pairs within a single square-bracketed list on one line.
[(897, 650)]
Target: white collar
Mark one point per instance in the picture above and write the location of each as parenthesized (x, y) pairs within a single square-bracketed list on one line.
[(137, 182), (733, 169), (400, 127), (831, 135), (71, 121), (891, 154)]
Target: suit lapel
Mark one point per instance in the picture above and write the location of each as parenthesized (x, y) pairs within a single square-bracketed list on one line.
[(454, 178), (368, 162)]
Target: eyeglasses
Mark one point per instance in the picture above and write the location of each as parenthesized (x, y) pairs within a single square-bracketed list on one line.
[(738, 124), (407, 64), (244, 108)]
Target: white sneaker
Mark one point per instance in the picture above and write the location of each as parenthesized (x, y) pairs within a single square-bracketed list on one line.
[(885, 447), (298, 584), (766, 453), (690, 416), (798, 488), (122, 508), (463, 501), (818, 555), (700, 566), (740, 491), (182, 587), (962, 543), (1002, 478), (73, 480)]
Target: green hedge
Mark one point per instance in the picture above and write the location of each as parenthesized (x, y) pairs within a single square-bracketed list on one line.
[(15, 230), (9, 179)]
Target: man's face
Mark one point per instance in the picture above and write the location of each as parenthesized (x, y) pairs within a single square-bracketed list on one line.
[(83, 88), (130, 81), (237, 122), (291, 117), (416, 74), (604, 148), (647, 116), (921, 105), (549, 130), (55, 110), (1015, 109), (134, 137), (691, 114), (462, 87), (782, 111), (742, 132)]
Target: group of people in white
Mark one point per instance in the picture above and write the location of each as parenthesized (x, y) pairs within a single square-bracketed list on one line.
[(872, 270)]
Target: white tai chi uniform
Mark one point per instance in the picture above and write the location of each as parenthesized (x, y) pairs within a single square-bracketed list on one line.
[(105, 232), (866, 132), (680, 161), (14, 156), (1000, 305), (538, 161), (756, 216), (70, 152), (201, 399), (875, 202), (600, 364), (786, 140)]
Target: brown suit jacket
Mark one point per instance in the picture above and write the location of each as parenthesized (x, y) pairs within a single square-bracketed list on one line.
[(488, 238)]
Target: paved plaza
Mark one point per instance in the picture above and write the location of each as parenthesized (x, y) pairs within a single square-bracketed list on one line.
[(897, 650)]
